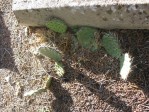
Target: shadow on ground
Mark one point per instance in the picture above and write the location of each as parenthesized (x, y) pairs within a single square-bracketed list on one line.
[(135, 42), (6, 53), (97, 89), (63, 100)]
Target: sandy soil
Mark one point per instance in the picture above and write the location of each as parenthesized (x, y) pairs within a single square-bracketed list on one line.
[(91, 84)]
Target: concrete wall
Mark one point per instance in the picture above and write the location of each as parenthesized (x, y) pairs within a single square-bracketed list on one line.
[(108, 14)]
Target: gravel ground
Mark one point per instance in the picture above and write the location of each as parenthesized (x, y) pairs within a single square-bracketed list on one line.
[(91, 83)]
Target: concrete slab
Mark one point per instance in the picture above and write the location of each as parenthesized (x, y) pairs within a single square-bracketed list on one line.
[(107, 14)]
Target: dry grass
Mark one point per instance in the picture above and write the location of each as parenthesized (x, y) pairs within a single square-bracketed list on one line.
[(91, 83)]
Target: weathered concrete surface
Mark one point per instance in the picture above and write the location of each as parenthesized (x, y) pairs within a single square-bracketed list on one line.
[(109, 14)]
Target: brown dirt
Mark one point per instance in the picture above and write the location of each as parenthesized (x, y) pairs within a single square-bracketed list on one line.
[(91, 83)]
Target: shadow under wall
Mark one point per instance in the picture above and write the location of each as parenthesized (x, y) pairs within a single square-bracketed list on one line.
[(6, 53)]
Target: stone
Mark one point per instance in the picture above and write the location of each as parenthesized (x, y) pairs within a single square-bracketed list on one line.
[(106, 14)]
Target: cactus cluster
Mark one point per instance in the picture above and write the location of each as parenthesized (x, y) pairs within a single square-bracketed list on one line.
[(86, 38), (57, 26), (111, 45)]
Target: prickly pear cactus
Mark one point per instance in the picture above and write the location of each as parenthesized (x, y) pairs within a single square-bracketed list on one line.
[(57, 26), (59, 68), (121, 59), (111, 45), (51, 53), (86, 38)]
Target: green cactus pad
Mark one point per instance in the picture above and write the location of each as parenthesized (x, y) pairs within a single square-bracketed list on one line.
[(111, 45), (51, 53), (59, 68), (57, 26), (86, 38), (121, 59)]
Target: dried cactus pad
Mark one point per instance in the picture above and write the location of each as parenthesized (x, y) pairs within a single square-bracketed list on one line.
[(51, 53), (86, 37), (111, 45), (57, 26)]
